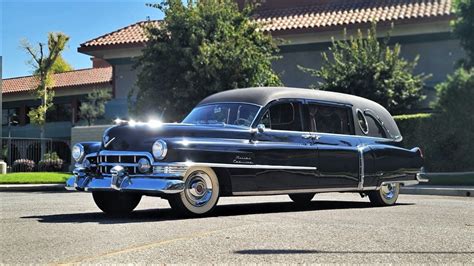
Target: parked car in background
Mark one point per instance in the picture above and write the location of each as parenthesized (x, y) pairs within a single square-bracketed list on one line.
[(253, 141)]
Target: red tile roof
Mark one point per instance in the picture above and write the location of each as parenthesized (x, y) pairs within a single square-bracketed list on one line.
[(341, 13), (320, 15), (132, 35), (90, 76)]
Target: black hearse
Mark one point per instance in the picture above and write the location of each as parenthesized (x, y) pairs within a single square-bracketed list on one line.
[(253, 141)]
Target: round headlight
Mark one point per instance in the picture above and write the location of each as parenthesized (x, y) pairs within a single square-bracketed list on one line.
[(77, 152), (144, 166), (159, 149)]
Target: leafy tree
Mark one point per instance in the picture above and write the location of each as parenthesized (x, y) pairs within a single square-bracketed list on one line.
[(370, 68), (456, 95), (463, 28), (200, 48), (95, 105), (60, 65), (43, 63)]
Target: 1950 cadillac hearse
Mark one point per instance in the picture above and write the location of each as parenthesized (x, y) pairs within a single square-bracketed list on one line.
[(254, 141)]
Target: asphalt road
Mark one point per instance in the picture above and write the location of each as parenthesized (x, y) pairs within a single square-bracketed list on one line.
[(67, 228)]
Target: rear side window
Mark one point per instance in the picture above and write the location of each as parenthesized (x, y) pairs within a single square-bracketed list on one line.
[(330, 119), (284, 116), (375, 128)]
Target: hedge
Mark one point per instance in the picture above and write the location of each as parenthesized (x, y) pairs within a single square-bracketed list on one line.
[(446, 142)]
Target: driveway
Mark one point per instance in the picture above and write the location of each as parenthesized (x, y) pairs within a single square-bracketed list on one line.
[(56, 227)]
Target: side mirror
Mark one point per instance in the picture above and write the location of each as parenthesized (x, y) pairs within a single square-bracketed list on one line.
[(261, 128)]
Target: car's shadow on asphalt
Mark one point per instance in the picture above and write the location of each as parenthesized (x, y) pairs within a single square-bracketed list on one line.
[(154, 215)]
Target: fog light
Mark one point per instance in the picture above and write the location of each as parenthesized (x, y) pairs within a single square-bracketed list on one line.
[(86, 164), (144, 165)]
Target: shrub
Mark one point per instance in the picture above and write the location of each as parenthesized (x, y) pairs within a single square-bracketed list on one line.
[(51, 163), (446, 144), (23, 165), (51, 156), (364, 66)]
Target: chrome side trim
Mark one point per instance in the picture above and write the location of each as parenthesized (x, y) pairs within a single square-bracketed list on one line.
[(294, 191), (242, 166), (361, 150)]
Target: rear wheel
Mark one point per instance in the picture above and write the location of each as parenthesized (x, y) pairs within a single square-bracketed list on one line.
[(200, 195), (112, 202), (303, 198), (387, 195)]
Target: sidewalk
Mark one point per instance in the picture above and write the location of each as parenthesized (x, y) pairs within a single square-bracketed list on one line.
[(464, 191), (31, 187)]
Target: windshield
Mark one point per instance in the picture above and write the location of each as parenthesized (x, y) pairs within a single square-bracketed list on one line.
[(239, 114)]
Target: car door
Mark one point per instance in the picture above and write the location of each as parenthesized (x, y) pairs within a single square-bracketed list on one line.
[(286, 148), (338, 154)]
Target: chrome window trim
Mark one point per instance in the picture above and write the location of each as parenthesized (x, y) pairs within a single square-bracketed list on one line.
[(365, 119), (250, 126)]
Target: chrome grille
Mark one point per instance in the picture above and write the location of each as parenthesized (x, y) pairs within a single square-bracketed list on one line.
[(103, 162)]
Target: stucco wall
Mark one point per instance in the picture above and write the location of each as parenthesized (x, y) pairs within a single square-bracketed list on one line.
[(437, 58), (124, 77), (92, 133)]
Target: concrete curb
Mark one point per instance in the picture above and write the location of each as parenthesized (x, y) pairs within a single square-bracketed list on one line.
[(439, 191), (31, 187)]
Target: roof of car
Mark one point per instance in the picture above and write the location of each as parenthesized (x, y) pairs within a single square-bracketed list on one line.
[(264, 95)]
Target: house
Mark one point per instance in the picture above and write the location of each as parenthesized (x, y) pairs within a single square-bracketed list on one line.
[(306, 26), (422, 27), (70, 89)]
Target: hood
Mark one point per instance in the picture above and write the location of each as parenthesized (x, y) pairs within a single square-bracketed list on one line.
[(142, 137)]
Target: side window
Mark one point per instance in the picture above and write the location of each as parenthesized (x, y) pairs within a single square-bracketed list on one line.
[(330, 119), (283, 116), (375, 129)]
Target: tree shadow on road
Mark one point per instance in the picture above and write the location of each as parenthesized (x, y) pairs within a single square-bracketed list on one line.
[(154, 215)]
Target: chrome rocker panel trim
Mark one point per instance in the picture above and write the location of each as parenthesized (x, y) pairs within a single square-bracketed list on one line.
[(138, 183)]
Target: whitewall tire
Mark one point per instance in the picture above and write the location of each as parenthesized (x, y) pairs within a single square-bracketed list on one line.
[(387, 195), (200, 195)]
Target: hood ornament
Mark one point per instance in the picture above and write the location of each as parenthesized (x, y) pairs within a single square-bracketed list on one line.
[(107, 141)]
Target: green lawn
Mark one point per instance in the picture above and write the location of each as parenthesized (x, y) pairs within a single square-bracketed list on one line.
[(34, 178)]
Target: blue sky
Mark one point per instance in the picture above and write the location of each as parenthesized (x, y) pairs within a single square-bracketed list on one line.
[(81, 20)]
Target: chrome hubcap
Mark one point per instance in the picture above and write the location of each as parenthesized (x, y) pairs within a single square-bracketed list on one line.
[(388, 191), (198, 188)]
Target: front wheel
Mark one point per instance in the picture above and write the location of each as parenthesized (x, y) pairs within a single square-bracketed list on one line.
[(112, 202), (303, 198), (200, 195), (387, 195)]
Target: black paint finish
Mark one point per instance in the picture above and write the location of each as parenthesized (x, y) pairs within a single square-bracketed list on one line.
[(326, 161)]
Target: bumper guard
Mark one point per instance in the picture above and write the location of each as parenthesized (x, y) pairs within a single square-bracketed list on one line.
[(120, 181)]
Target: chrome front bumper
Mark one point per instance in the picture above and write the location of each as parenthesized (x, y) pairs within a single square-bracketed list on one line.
[(158, 184)]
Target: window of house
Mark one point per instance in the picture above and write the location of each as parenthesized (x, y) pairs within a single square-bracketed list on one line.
[(10, 114), (330, 119), (284, 116), (59, 113)]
